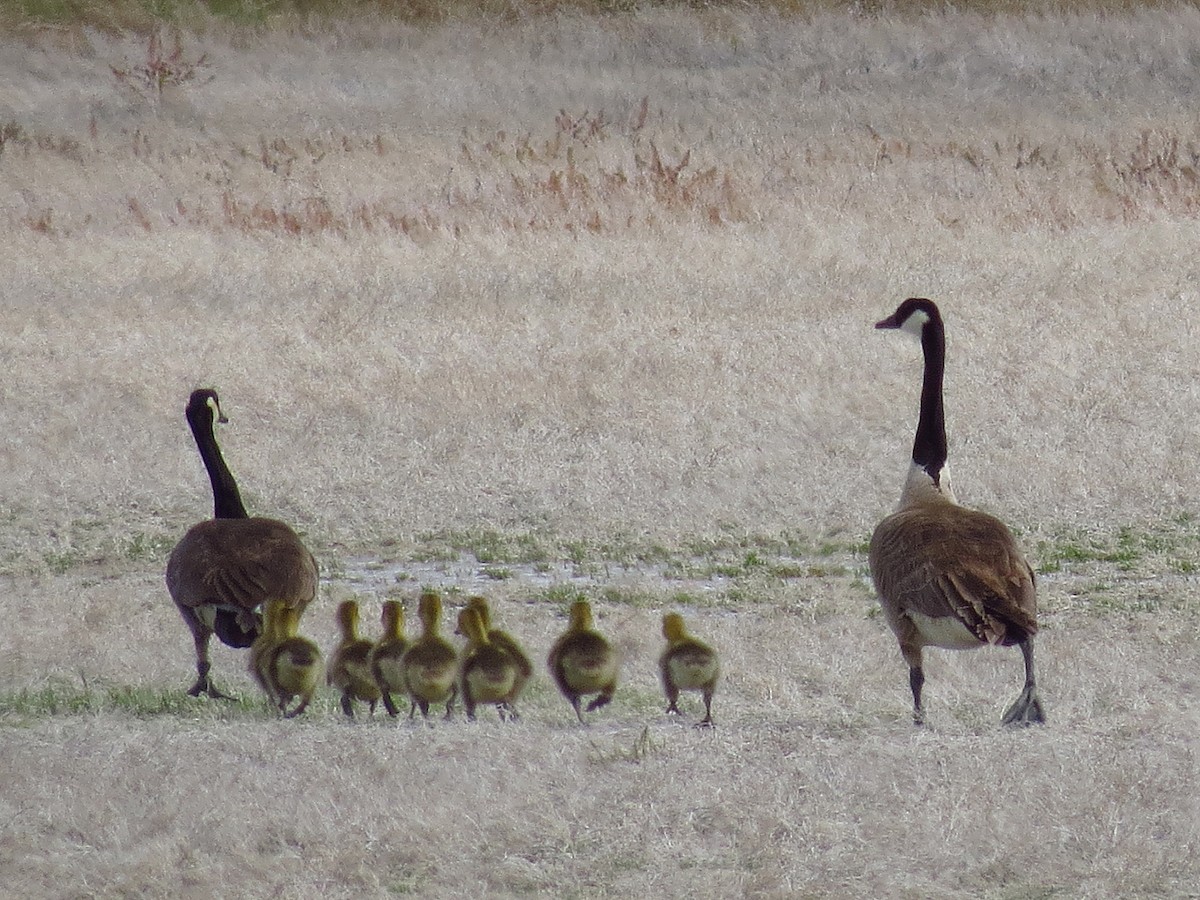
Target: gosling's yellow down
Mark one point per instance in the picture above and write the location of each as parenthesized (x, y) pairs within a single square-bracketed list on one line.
[(387, 655), (583, 662), (687, 664), (488, 673), (294, 664), (264, 644), (509, 644), (430, 664), (349, 670)]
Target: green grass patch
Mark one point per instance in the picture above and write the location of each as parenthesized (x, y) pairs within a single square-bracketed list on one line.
[(59, 562), (638, 599), (144, 546), (488, 546), (63, 698), (1168, 545), (563, 595)]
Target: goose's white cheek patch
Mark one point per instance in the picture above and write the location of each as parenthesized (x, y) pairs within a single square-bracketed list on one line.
[(915, 323)]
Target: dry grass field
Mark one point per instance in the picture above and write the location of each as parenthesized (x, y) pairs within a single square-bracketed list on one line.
[(581, 302)]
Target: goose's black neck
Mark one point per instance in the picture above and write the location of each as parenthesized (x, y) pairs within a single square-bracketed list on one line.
[(929, 445), (227, 501)]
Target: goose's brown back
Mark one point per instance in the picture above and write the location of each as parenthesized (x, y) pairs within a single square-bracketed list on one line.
[(937, 560)]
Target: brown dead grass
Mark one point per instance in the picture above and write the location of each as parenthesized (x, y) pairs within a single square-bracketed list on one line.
[(813, 782), (604, 285)]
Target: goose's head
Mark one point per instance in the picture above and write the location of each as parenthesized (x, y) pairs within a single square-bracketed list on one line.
[(928, 477), (205, 402), (912, 316)]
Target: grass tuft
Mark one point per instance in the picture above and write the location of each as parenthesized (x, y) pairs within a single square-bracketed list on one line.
[(59, 697)]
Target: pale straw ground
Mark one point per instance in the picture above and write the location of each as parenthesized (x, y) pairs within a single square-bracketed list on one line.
[(585, 304)]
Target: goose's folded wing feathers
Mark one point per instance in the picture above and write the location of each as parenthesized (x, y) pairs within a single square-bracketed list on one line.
[(241, 563), (964, 565)]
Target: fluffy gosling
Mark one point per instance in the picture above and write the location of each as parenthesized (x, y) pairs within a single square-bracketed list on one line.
[(349, 671), (386, 656), (509, 644), (583, 662), (488, 673), (687, 664), (264, 644), (430, 664), (294, 665)]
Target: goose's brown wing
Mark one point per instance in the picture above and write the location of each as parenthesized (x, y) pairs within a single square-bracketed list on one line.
[(941, 560), (240, 563)]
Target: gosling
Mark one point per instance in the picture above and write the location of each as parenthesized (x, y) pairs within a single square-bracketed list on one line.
[(488, 673), (430, 664), (583, 662), (294, 665), (687, 664), (386, 656), (509, 644), (349, 671), (260, 651)]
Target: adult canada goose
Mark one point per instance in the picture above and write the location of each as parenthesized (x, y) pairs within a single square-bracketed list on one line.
[(687, 665), (508, 643), (430, 663), (386, 655), (948, 576), (488, 673), (583, 662), (349, 669), (224, 568), (294, 664)]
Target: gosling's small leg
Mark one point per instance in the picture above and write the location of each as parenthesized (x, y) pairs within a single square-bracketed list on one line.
[(603, 699), (672, 700), (390, 705)]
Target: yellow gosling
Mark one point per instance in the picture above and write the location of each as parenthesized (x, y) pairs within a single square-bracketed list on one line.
[(385, 660), (295, 665), (488, 673), (349, 670), (430, 664), (506, 642), (687, 664), (583, 662), (261, 649), (264, 644)]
